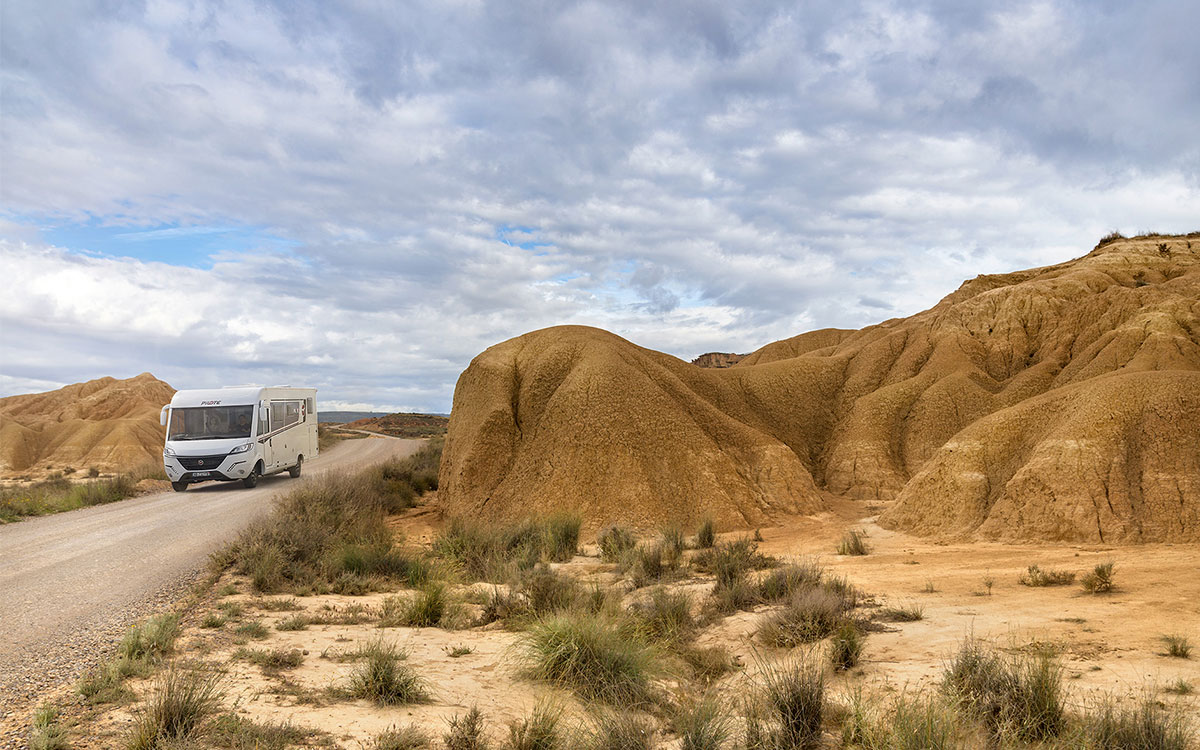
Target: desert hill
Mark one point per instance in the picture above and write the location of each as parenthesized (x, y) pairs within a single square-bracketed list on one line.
[(718, 359), (107, 423), (1053, 403), (402, 425)]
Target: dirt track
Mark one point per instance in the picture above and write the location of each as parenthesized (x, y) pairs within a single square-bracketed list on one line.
[(71, 583)]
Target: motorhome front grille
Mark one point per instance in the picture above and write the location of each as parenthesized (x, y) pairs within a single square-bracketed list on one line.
[(194, 463)]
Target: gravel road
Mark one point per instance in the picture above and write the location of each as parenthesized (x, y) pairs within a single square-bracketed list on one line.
[(71, 583)]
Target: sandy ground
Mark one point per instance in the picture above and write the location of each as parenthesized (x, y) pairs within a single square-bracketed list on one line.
[(1110, 644)]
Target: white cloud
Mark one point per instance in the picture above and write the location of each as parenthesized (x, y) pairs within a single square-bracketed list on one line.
[(712, 176)]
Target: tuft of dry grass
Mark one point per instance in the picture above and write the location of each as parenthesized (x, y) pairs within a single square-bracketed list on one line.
[(183, 700), (1100, 579), (1037, 577)]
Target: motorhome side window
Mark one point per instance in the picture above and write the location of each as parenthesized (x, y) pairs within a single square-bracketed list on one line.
[(284, 413)]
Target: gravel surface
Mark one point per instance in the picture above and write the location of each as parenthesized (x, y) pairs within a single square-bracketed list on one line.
[(72, 583)]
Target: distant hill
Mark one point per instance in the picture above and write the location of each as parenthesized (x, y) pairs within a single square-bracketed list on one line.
[(341, 417), (718, 359), (107, 423), (403, 425), (1055, 403)]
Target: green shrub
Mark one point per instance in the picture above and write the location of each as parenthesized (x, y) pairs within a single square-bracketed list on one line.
[(428, 608), (673, 545), (614, 542), (645, 564), (182, 701), (1100, 579), (538, 731), (494, 552), (255, 630), (466, 732), (47, 733), (703, 725), (562, 536), (1177, 646), (380, 677), (150, 640), (845, 648), (706, 535), (853, 543), (665, 616), (788, 706), (1018, 696), (1035, 576), (594, 656), (783, 582)]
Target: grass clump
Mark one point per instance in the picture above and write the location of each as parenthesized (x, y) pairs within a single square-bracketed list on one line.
[(58, 494), (380, 677), (1037, 577), (47, 733), (853, 542), (730, 563), (809, 616), (431, 607), (538, 731), (274, 660), (708, 663), (922, 723), (150, 640), (783, 582), (845, 648), (254, 630), (787, 707), (232, 732), (902, 613), (183, 700), (1100, 579), (1180, 687), (1143, 727), (703, 725), (1021, 697), (620, 730), (466, 731), (706, 535), (665, 616), (401, 738), (597, 657), (1177, 646), (614, 542), (491, 552)]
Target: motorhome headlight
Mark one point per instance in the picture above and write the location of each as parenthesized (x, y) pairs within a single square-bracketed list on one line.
[(168, 451), (242, 448)]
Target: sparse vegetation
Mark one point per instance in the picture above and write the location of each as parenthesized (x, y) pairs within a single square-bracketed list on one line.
[(466, 731), (597, 657), (614, 542), (902, 613), (620, 730), (787, 707), (1037, 577), (401, 738), (496, 552), (382, 678), (183, 699), (1021, 697), (909, 723), (330, 534), (1180, 687), (273, 660), (845, 648), (431, 607), (1100, 579), (665, 616), (1146, 726), (703, 725), (57, 493), (783, 582), (1177, 646), (47, 733), (706, 535), (538, 731), (808, 616), (853, 543)]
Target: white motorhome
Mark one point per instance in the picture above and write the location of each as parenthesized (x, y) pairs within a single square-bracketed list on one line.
[(238, 433)]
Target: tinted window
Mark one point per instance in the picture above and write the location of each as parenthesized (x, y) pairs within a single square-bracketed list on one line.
[(210, 423)]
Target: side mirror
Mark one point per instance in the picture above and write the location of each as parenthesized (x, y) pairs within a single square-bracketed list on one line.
[(264, 413), (162, 416)]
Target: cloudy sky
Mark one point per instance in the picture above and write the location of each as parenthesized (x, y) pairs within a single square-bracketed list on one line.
[(362, 196)]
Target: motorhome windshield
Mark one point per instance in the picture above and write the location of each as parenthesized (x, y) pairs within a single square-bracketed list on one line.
[(211, 423)]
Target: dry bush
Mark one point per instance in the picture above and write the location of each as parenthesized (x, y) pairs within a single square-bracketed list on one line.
[(703, 724), (466, 731), (381, 678), (1100, 579), (1037, 577), (853, 543), (787, 706), (183, 700), (809, 616), (1019, 697), (597, 657)]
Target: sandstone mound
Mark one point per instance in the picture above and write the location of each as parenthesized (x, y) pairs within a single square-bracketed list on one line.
[(718, 359), (107, 423), (1053, 403)]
